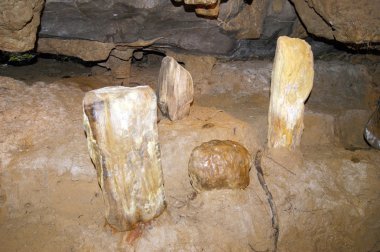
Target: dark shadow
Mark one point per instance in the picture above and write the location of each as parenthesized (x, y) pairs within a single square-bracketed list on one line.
[(63, 58)]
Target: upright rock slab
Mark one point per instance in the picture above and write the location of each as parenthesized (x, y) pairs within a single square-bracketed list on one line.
[(176, 89), (292, 81), (121, 129)]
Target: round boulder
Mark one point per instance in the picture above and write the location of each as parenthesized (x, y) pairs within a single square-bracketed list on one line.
[(219, 165)]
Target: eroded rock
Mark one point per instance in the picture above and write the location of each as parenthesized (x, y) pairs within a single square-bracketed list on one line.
[(345, 21), (119, 62), (209, 10), (176, 89), (292, 81), (134, 21), (121, 129), (19, 21), (84, 49), (219, 165), (246, 20)]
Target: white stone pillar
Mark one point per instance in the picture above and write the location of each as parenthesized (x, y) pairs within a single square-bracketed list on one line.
[(121, 129)]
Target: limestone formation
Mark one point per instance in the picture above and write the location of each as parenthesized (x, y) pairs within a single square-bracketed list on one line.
[(246, 20), (135, 23), (292, 81), (19, 20), (121, 129), (175, 89), (84, 49), (119, 62), (345, 20), (218, 165)]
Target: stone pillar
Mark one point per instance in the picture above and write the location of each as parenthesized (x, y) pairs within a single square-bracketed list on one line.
[(120, 64), (292, 81), (121, 129), (175, 89)]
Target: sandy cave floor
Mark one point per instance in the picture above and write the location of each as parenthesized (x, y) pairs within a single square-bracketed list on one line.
[(327, 195)]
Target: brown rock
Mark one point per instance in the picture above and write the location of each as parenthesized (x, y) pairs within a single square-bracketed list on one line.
[(345, 21), (209, 10), (292, 81), (248, 22), (176, 89), (19, 21), (121, 129), (218, 165), (120, 64), (84, 49)]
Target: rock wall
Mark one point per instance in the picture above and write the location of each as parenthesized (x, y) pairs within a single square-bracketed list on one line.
[(345, 21), (19, 20), (238, 28), (174, 23)]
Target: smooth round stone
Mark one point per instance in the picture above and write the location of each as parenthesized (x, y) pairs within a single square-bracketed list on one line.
[(219, 165)]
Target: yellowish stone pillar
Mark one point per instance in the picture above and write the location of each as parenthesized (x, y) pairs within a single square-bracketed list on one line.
[(292, 81)]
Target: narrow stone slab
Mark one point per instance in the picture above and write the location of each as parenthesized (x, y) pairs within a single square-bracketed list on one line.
[(176, 89), (121, 129), (292, 81), (219, 165), (372, 129)]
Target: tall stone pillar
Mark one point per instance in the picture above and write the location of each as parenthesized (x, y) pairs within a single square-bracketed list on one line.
[(292, 81), (121, 129)]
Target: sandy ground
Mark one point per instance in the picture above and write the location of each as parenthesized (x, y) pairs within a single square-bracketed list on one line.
[(326, 194)]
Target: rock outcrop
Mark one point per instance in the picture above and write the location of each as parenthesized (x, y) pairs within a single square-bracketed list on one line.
[(219, 165), (121, 129), (179, 27), (19, 20), (84, 49), (346, 21)]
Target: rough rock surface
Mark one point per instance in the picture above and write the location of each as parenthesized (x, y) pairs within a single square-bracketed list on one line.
[(175, 89), (83, 49), (219, 165), (121, 129), (330, 196), (178, 27), (200, 67), (120, 66), (208, 10), (345, 21), (247, 20), (292, 81), (19, 21)]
